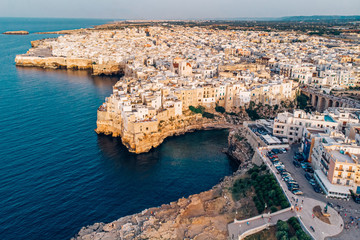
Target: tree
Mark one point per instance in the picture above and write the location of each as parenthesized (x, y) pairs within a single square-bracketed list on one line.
[(219, 109), (280, 235), (282, 226), (302, 101)]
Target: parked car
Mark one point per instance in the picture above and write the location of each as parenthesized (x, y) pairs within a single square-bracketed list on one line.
[(287, 179), (312, 182), (304, 165), (280, 169), (296, 164), (275, 160), (293, 187), (308, 176), (299, 158), (285, 174), (309, 170), (297, 192), (275, 150), (317, 189)]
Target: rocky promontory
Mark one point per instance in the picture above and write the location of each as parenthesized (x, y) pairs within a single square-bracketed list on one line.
[(16, 33), (140, 142), (238, 147), (200, 216)]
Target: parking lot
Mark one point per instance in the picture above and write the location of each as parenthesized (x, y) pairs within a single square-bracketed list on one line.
[(349, 210)]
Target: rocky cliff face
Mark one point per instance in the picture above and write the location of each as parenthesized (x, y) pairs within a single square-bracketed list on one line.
[(238, 147), (16, 33), (200, 216), (69, 63), (140, 143)]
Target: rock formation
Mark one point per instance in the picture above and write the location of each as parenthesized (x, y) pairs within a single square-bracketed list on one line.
[(238, 147), (16, 33), (200, 216), (111, 124)]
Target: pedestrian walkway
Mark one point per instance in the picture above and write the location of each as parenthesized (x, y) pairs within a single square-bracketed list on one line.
[(243, 228), (302, 208), (305, 210)]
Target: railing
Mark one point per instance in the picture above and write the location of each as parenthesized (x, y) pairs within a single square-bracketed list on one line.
[(339, 169)]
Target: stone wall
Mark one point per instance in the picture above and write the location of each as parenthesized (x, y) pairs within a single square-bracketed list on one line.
[(150, 137), (111, 68)]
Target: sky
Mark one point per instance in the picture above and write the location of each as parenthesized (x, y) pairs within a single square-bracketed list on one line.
[(180, 9)]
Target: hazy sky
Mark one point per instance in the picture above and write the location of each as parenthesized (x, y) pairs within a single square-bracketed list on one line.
[(180, 9)]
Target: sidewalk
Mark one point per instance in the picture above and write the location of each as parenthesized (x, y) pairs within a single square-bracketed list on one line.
[(322, 229), (241, 228)]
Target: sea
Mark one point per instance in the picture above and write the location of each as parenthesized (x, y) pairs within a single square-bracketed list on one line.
[(56, 174)]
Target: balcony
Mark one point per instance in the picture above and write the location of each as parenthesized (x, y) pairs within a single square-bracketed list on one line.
[(339, 169), (324, 157), (324, 164), (351, 171)]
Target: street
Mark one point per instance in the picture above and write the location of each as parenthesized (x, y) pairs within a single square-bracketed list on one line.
[(347, 209)]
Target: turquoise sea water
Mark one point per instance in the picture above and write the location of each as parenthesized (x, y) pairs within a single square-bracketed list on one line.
[(57, 174)]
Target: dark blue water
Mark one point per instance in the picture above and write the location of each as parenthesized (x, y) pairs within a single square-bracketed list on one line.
[(57, 174)]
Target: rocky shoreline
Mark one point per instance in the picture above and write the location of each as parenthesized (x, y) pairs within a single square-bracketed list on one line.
[(200, 216), (110, 124), (16, 33)]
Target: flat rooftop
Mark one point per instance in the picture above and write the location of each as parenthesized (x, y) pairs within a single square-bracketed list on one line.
[(341, 157)]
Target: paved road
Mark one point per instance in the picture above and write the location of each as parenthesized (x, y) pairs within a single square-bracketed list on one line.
[(350, 208), (322, 229)]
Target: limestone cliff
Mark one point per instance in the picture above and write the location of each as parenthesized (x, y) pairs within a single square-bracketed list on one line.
[(111, 124), (238, 147), (200, 216), (16, 33), (68, 63)]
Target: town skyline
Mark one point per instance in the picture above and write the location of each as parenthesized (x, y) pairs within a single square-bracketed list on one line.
[(161, 9)]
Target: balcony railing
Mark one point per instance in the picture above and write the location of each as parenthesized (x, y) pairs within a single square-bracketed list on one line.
[(339, 169), (352, 171)]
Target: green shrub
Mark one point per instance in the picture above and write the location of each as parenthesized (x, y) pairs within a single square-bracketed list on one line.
[(284, 204), (301, 235), (273, 209), (219, 109), (282, 226), (254, 175), (208, 115), (281, 235)]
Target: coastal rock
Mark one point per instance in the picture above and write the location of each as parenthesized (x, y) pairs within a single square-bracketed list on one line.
[(16, 33), (111, 124), (200, 216), (238, 147)]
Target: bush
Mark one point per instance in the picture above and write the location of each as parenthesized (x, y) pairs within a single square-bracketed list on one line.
[(208, 115), (253, 114), (199, 109), (282, 226), (293, 238), (219, 109), (281, 235), (302, 101), (284, 204), (300, 234), (273, 209), (254, 175)]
